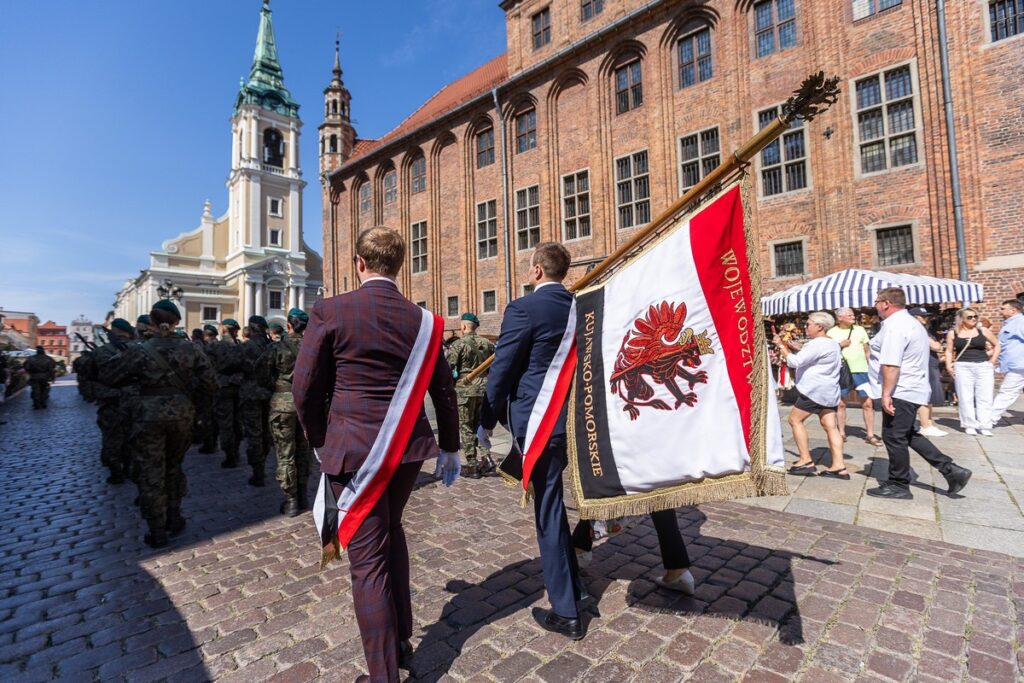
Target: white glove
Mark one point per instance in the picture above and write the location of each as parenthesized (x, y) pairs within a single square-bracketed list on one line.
[(448, 467), (484, 437)]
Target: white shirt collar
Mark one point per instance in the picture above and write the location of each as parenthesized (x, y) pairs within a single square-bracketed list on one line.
[(545, 284), (378, 277)]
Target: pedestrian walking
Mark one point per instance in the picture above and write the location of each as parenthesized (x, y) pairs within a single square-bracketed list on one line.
[(898, 367), (972, 365), (853, 339), (1011, 357), (816, 366), (464, 355), (112, 412), (226, 358), (275, 369), (938, 395), (254, 401)]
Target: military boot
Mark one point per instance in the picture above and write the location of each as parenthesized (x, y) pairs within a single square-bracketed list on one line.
[(257, 478), (303, 497), (471, 470), (175, 523), (290, 507), (230, 460), (487, 466), (157, 538)]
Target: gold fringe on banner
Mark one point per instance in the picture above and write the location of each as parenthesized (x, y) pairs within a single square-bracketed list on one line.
[(761, 480)]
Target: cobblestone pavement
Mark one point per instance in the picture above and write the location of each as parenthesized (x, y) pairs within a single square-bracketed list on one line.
[(988, 515), (239, 596)]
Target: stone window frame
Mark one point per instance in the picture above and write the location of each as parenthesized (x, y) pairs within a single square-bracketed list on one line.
[(692, 37), (279, 291), (483, 301), (858, 171), (540, 28), (418, 174), (390, 185), (702, 158), (486, 222), (773, 28), (280, 207), (575, 198), (986, 13), (418, 247), (594, 7), (215, 319), (485, 155), (915, 234), (365, 198), (448, 306), (632, 179), (771, 244), (875, 8), (527, 211), (783, 162), (270, 237)]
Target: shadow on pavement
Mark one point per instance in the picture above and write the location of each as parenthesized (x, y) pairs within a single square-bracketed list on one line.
[(735, 581)]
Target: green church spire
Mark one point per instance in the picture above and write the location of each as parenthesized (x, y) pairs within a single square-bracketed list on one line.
[(265, 87)]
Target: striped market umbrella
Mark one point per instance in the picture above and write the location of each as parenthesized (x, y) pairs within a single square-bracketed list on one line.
[(857, 289)]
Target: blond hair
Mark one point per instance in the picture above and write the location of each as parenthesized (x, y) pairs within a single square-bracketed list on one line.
[(383, 250)]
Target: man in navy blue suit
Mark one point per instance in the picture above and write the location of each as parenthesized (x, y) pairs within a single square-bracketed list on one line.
[(531, 333)]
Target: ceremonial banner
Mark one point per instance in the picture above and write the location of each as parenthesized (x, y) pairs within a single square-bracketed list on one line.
[(672, 402), (338, 516)]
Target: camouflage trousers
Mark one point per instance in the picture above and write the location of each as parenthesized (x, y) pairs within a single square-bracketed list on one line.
[(204, 424), (469, 420), (114, 427), (293, 451), (255, 419), (159, 449), (229, 422), (40, 391)]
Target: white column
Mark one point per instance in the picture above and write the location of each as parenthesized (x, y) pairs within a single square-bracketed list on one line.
[(253, 135), (259, 299), (302, 297), (293, 297), (293, 148), (256, 212), (234, 146)]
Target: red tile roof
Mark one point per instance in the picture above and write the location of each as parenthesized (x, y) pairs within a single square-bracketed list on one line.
[(476, 82)]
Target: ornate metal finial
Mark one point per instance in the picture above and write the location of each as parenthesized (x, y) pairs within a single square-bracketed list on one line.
[(814, 96), (337, 56)]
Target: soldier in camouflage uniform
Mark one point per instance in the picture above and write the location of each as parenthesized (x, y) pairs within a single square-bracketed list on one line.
[(274, 371), (464, 355), (226, 357), (142, 327), (254, 401), (168, 370), (40, 369), (112, 412), (207, 426)]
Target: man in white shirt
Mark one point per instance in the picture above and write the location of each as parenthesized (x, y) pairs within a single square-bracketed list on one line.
[(898, 369)]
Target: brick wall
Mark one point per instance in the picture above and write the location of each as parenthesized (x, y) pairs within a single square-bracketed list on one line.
[(837, 214)]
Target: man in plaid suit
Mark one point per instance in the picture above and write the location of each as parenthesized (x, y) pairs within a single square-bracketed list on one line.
[(352, 356)]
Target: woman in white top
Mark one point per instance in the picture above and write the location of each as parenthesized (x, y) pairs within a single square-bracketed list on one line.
[(969, 361), (816, 366)]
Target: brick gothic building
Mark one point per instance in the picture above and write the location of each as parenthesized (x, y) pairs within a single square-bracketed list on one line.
[(600, 113)]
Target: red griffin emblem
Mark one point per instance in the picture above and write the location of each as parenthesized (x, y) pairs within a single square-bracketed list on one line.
[(661, 347)]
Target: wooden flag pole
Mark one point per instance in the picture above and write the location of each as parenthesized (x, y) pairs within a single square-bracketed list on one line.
[(815, 95)]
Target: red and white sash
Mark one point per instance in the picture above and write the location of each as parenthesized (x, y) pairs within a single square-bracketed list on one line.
[(551, 398), (337, 520)]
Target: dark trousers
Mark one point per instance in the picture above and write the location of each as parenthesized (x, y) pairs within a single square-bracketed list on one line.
[(379, 560), (899, 435), (670, 540), (557, 557)]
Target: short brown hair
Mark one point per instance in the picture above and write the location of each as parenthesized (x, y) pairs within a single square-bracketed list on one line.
[(1014, 303), (383, 249), (894, 295), (553, 259)]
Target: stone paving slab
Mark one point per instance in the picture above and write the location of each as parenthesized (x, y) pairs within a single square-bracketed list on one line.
[(780, 596), (988, 515)]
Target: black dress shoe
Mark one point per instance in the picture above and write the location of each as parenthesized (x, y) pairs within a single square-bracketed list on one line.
[(957, 479), (549, 621), (890, 491), (363, 679), (156, 539), (405, 656)]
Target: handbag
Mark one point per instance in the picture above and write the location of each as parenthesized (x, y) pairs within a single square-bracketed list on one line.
[(845, 374)]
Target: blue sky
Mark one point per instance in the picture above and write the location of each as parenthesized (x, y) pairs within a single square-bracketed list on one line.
[(117, 118)]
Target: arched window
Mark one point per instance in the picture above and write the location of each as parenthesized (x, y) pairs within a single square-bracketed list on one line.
[(334, 144), (334, 106), (418, 173), (365, 198), (273, 148), (629, 83), (390, 186), (321, 144)]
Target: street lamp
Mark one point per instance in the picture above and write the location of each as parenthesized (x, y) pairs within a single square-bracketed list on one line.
[(168, 290)]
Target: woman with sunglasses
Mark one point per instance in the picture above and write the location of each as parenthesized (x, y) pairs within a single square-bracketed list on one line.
[(968, 361)]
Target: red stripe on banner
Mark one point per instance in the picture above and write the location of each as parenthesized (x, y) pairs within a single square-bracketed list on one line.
[(720, 253), (547, 423), (361, 507)]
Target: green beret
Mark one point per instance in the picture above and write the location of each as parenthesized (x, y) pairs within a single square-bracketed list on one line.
[(212, 329), (258, 320), (168, 306), (144, 320), (298, 313), (276, 326), (471, 317), (123, 325), (230, 322)]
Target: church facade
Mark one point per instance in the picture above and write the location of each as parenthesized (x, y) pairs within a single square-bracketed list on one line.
[(598, 114), (250, 260)]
